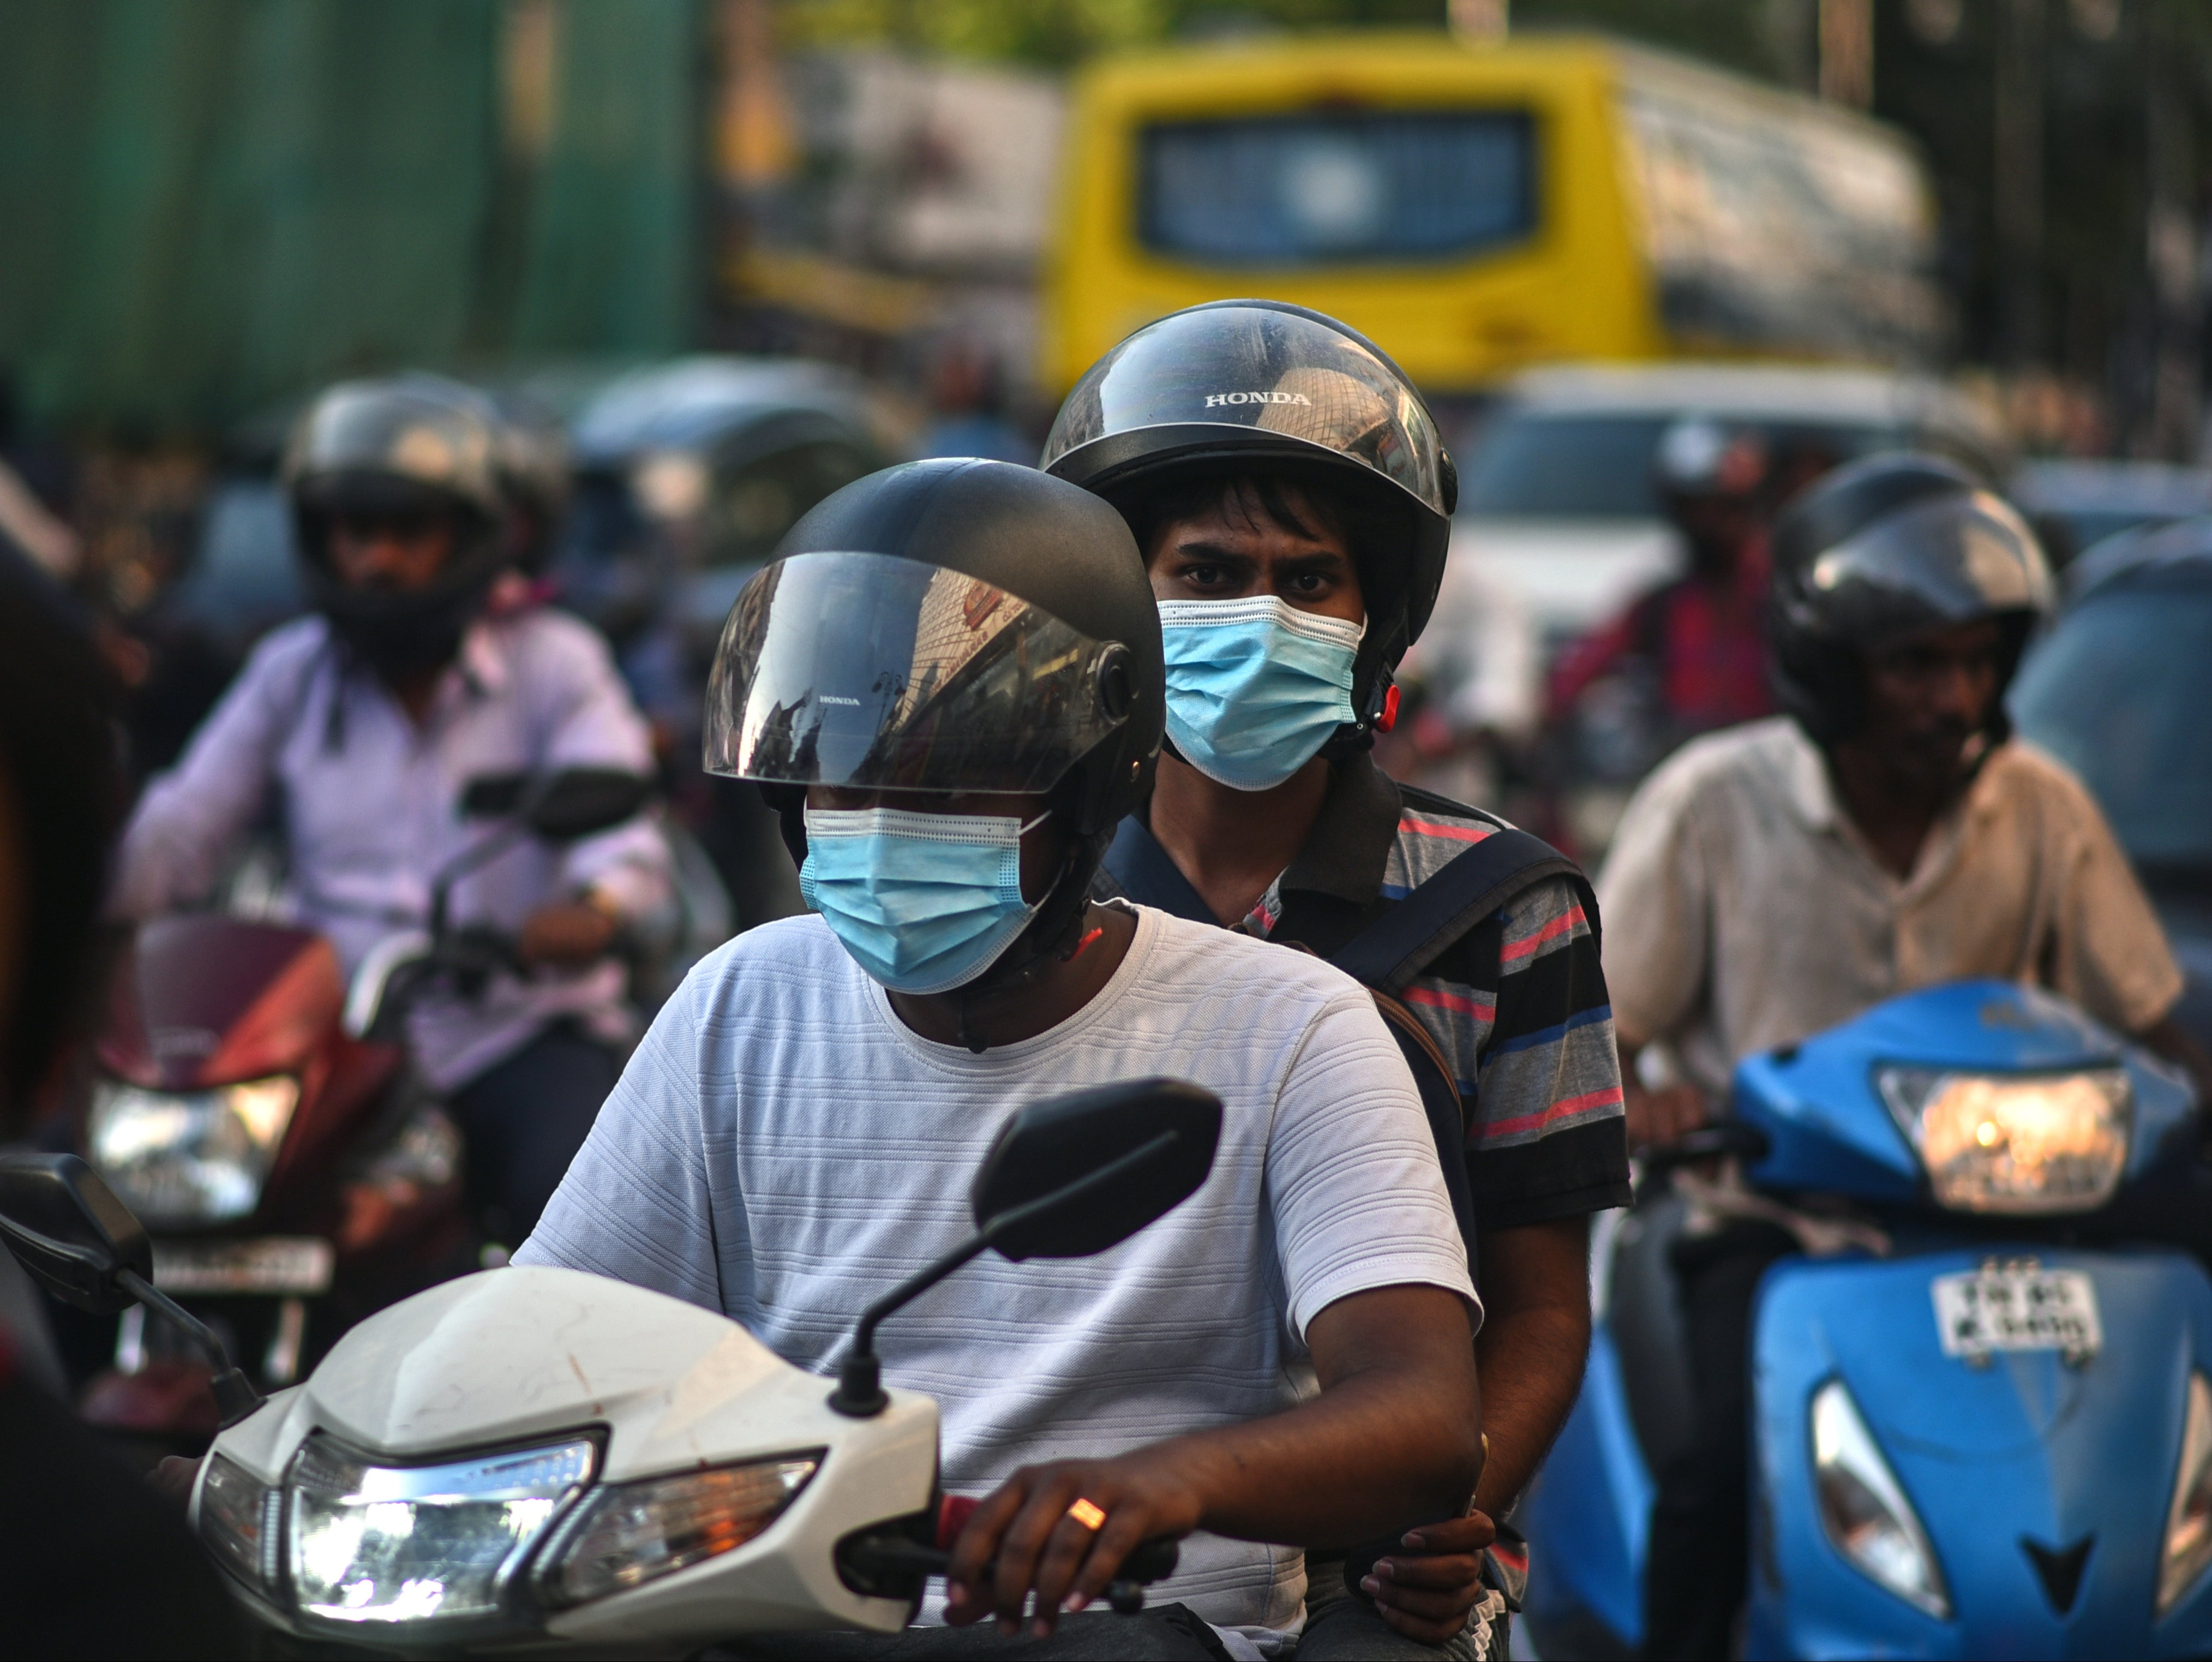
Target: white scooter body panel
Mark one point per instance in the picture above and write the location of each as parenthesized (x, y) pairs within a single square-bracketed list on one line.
[(513, 1355)]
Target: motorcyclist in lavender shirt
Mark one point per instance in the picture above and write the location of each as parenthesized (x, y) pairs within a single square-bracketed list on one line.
[(357, 729)]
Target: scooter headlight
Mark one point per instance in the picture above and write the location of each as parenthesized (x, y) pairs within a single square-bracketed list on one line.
[(2188, 1517), (2015, 1144), (395, 1544), (190, 1157), (1863, 1508), (634, 1533)]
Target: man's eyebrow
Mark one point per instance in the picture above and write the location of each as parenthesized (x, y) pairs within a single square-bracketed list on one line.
[(1200, 549)]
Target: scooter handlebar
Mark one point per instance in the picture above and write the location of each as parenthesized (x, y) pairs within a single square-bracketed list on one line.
[(892, 1560)]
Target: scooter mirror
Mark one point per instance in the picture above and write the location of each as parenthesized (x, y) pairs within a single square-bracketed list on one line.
[(1080, 1173), (576, 802), (68, 1230)]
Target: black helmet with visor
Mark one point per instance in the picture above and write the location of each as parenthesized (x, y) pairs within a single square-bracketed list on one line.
[(411, 449), (1240, 384), (1891, 547), (961, 626)]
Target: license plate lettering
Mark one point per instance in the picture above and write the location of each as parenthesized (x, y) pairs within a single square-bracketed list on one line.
[(2016, 1307), (290, 1266)]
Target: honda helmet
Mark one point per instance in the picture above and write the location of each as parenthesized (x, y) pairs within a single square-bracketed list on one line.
[(1220, 387)]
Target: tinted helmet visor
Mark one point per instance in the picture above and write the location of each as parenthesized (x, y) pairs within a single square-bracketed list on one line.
[(871, 672)]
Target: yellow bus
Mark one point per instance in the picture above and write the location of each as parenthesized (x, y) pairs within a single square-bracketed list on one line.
[(1475, 208)]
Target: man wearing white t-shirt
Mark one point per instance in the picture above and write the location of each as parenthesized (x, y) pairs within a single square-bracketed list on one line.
[(952, 680)]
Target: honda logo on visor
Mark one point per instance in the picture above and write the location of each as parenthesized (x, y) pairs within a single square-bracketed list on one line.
[(1213, 399)]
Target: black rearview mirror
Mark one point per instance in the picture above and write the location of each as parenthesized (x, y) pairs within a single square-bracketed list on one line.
[(83, 1245), (1080, 1173), (68, 1230), (561, 807), (579, 802)]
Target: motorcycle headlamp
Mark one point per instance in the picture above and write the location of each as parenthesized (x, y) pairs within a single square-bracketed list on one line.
[(1864, 1510), (634, 1533), (387, 1545), (190, 1157), (2017, 1144)]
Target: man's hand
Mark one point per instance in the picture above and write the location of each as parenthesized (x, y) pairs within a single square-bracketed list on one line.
[(173, 1479), (1023, 1537), (1426, 1592), (1664, 1116), (1392, 1435), (567, 936)]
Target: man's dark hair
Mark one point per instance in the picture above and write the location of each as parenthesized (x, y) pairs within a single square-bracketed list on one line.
[(1290, 499), (59, 772)]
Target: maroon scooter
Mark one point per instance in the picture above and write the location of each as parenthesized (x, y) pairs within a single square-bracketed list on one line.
[(293, 1178), (264, 1123)]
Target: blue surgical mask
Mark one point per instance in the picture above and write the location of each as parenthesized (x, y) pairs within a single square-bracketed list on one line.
[(1255, 687), (924, 901)]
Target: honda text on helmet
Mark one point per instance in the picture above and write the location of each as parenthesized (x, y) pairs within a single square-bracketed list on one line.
[(1879, 552), (958, 628), (1257, 689), (406, 454)]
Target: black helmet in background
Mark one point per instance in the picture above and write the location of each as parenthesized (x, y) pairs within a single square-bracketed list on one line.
[(1889, 548), (951, 625), (1256, 385), (408, 449)]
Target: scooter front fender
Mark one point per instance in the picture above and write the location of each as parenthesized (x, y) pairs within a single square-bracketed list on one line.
[(2023, 1449)]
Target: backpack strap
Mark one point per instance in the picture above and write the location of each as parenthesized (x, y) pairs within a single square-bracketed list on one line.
[(1146, 874), (1401, 943)]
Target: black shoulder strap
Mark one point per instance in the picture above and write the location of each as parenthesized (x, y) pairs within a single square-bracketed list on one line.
[(1137, 862), (1398, 945)]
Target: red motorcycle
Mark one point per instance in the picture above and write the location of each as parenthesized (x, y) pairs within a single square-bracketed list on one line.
[(263, 1122)]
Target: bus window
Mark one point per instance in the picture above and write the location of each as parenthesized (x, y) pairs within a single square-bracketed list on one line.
[(1337, 187)]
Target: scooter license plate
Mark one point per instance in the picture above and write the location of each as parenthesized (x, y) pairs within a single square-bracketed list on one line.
[(2017, 1307), (288, 1265)]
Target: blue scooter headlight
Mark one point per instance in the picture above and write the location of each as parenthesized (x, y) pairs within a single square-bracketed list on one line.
[(2019, 1144), (1863, 1508)]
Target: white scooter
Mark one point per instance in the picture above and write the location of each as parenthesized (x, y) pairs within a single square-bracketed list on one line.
[(537, 1461)]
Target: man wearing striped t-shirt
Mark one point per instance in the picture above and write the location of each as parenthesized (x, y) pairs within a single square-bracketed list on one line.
[(1294, 531)]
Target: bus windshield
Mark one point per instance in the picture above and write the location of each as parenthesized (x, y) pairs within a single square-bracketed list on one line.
[(1340, 188)]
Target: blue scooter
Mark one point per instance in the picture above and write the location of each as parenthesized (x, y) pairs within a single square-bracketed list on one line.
[(1995, 1439)]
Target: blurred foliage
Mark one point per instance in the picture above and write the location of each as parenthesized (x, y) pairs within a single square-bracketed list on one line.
[(1060, 31), (212, 206)]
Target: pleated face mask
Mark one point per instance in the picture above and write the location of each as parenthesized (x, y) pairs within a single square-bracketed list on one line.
[(923, 902), (1255, 687)]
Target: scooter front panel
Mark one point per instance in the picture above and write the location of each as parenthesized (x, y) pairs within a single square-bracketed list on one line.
[(2026, 1449), (1596, 1491)]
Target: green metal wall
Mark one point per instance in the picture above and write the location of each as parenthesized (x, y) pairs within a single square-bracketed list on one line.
[(208, 204)]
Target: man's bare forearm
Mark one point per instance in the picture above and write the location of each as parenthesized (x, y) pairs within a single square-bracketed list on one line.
[(1530, 1353), (1378, 1452)]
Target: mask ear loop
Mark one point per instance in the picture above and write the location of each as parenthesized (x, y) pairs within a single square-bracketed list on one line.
[(1035, 963)]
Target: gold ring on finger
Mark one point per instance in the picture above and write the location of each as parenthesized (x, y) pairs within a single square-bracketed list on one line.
[(1089, 1514)]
